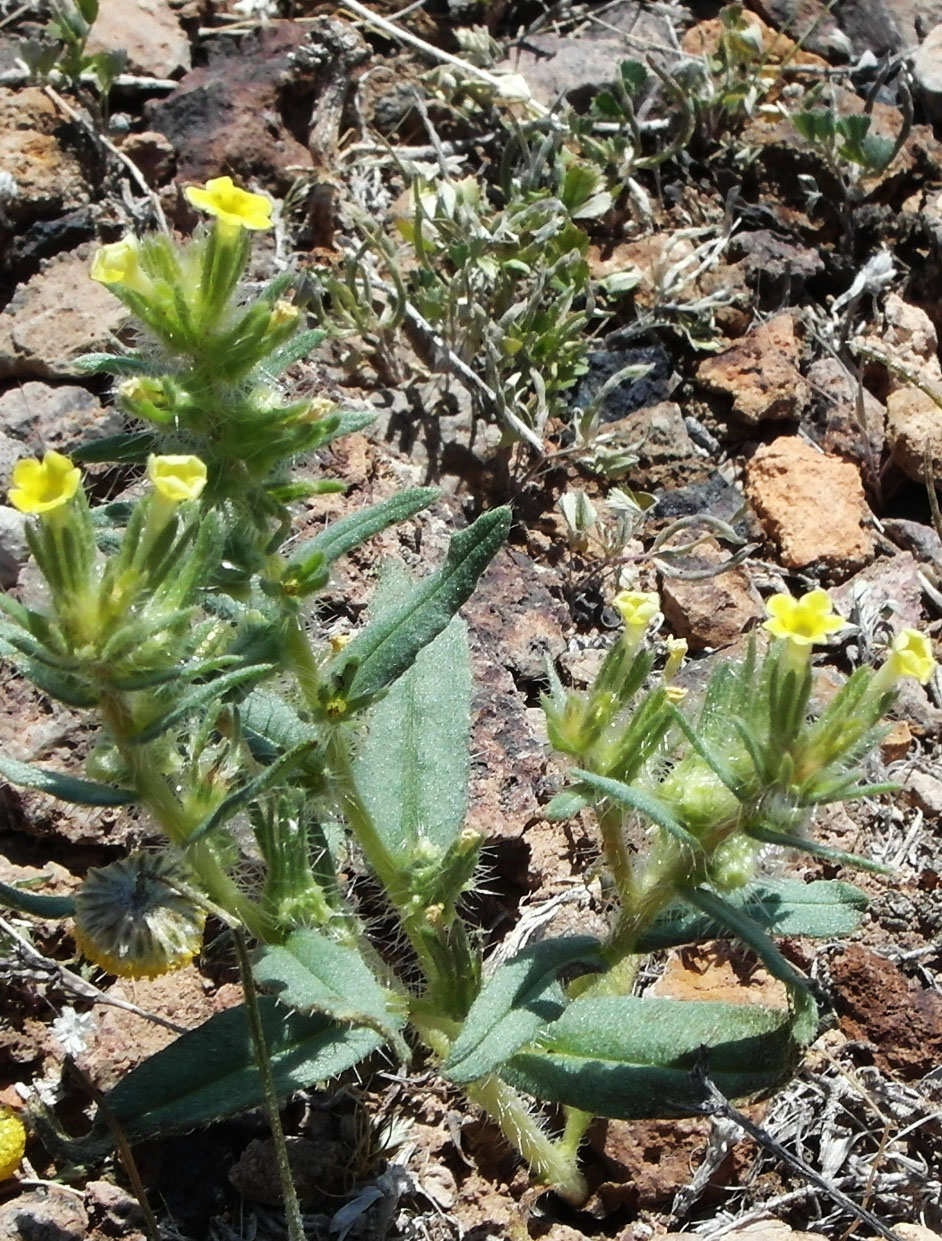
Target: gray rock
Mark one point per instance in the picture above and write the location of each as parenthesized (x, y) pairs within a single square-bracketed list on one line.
[(13, 550), (927, 72)]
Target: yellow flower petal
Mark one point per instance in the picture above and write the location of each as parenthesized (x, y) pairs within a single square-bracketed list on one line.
[(221, 198), (803, 621), (177, 478), (911, 655), (40, 486), (637, 607), (12, 1142), (120, 263)]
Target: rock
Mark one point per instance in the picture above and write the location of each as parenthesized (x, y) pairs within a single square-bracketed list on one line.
[(913, 536), (153, 154), (225, 117), (14, 552), (515, 614), (848, 432), (895, 742), (53, 1213), (904, 1030), (810, 504), (909, 337), (657, 433), (760, 374), (718, 972), (147, 30), (55, 317), (810, 22), (888, 590), (924, 791), (762, 1230), (886, 26), (776, 269), (914, 430), (713, 611), (36, 152), (38, 416), (113, 1210)]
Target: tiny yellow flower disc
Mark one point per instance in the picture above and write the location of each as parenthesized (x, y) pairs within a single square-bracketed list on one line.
[(40, 486), (12, 1142), (803, 621), (637, 607), (221, 198), (911, 656), (117, 263), (177, 478)]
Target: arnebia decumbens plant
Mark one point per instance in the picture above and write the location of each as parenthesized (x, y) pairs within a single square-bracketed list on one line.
[(184, 623)]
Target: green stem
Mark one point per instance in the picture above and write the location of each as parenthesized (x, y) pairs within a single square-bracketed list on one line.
[(553, 1163), (263, 1064)]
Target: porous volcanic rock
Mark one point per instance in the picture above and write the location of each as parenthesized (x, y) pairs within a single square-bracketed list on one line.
[(147, 31), (810, 505), (760, 374)]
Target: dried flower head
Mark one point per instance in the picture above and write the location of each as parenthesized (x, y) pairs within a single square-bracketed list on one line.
[(233, 206), (803, 621), (12, 1142), (177, 478), (40, 486), (131, 920)]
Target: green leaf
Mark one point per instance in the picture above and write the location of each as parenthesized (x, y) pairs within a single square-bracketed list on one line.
[(742, 926), (630, 1058), (35, 903), (768, 836), (521, 997), (117, 364), (293, 351), (127, 448), (311, 972), (389, 645), (271, 726), (247, 792), (66, 788), (412, 766), (348, 532), (633, 75), (634, 799), (877, 151), (210, 1072), (565, 805), (200, 697), (823, 909)]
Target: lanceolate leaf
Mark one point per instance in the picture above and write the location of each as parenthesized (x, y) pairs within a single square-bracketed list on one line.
[(389, 645), (520, 999), (35, 903), (412, 767), (769, 836), (210, 1072), (128, 448), (311, 972), (199, 697), (630, 1058), (652, 807), (271, 726), (742, 926), (66, 788), (826, 909), (343, 535)]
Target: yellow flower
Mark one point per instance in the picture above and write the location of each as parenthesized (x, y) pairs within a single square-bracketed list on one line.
[(283, 314), (803, 621), (177, 478), (637, 607), (910, 656), (120, 263), (12, 1142), (676, 652), (40, 486), (131, 920), (219, 197)]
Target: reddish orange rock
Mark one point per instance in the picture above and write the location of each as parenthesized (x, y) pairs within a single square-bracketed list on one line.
[(810, 505), (760, 374)]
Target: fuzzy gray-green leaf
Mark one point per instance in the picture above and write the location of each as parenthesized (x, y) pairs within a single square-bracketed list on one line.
[(65, 787)]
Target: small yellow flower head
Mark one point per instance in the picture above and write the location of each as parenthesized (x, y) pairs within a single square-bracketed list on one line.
[(676, 653), (131, 920), (118, 263), (12, 1142), (803, 621), (230, 205), (177, 478), (283, 314), (637, 607), (910, 656), (41, 486)]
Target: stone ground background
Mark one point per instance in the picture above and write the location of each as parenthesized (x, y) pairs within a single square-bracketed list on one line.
[(770, 431)]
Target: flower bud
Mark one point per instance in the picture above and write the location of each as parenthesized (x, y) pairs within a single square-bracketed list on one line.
[(910, 655), (120, 263)]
